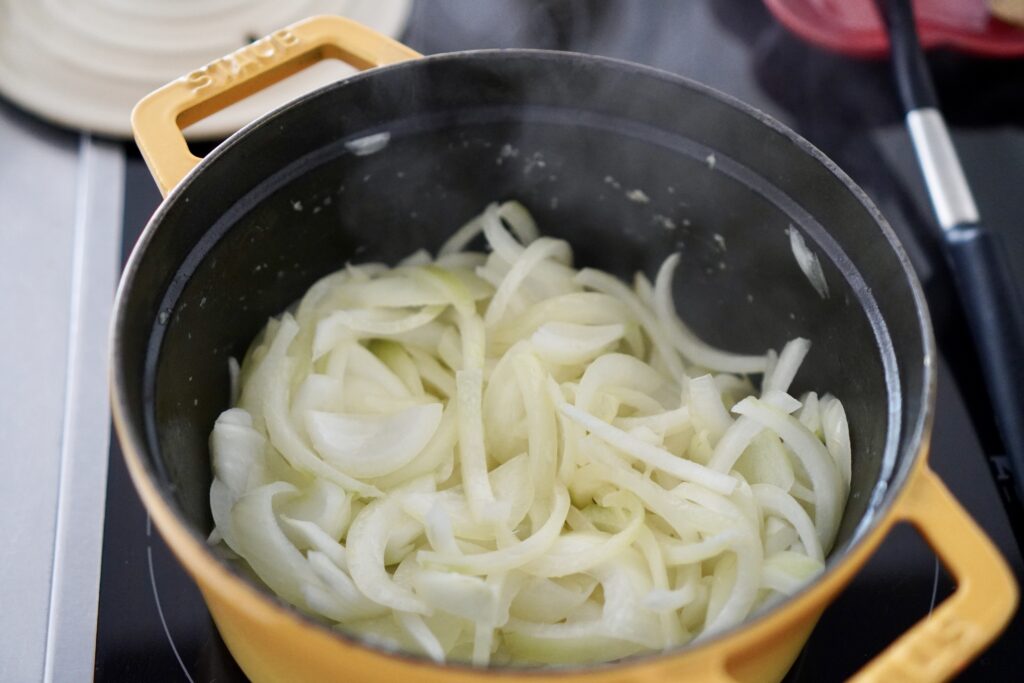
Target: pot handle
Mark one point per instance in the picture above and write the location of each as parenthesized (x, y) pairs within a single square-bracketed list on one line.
[(941, 644), (158, 118)]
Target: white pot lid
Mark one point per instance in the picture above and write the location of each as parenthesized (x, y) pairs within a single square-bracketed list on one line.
[(85, 63)]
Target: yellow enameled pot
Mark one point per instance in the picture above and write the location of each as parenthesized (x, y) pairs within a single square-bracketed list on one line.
[(243, 232)]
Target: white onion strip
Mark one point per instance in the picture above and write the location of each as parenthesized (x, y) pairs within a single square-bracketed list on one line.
[(815, 458), (647, 453), (513, 556), (685, 341)]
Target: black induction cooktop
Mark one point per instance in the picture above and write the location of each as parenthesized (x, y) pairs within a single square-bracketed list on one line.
[(153, 625)]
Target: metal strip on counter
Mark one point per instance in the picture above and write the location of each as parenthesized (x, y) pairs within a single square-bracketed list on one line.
[(37, 211), (74, 594)]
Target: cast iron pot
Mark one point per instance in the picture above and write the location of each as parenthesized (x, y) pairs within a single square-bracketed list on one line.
[(244, 232)]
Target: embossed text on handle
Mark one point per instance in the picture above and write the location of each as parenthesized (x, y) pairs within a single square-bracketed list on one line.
[(943, 639), (261, 53)]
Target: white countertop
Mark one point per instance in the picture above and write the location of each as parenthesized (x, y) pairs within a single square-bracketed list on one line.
[(61, 203)]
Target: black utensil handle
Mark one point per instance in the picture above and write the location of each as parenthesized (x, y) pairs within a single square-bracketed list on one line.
[(911, 69), (994, 311)]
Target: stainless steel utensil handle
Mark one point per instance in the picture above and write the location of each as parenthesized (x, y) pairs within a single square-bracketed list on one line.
[(976, 256)]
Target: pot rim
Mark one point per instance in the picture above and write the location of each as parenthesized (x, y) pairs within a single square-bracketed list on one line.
[(192, 551)]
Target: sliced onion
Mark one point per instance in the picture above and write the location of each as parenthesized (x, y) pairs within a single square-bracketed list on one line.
[(469, 597), (664, 424), (472, 453), (815, 458), (263, 544), (775, 501), (322, 503), (786, 367), (513, 556), (548, 601), (787, 571), (365, 545), (421, 634), (649, 454), (343, 325), (678, 552), (837, 435), (565, 643), (602, 282), (616, 370), (306, 535), (580, 551), (237, 449), (494, 457), (570, 343), (368, 446), (742, 432), (706, 408), (540, 250), (574, 308), (348, 602), (685, 341)]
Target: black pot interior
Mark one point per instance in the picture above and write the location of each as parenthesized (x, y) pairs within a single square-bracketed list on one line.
[(573, 138)]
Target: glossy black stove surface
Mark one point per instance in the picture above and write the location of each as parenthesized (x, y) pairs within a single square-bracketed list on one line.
[(153, 625)]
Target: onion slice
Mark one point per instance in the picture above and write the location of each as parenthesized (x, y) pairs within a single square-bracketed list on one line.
[(367, 446)]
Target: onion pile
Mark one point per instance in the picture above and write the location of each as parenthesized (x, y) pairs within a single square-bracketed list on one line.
[(497, 458)]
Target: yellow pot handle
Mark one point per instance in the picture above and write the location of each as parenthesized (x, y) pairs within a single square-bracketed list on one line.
[(158, 118), (941, 644)]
